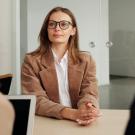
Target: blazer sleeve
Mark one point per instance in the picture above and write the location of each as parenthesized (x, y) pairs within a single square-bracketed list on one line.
[(31, 85), (89, 87)]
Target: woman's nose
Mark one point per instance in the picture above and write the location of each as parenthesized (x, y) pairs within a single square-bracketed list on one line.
[(57, 27)]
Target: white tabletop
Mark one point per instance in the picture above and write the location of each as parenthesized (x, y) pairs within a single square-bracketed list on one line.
[(112, 122)]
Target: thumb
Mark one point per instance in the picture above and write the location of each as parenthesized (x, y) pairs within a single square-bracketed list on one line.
[(89, 104)]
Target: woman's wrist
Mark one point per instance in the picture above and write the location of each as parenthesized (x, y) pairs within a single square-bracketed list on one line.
[(68, 113)]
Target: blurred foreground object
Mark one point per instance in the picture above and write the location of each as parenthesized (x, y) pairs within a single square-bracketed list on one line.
[(6, 116)]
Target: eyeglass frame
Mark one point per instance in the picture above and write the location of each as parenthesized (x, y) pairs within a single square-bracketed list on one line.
[(58, 23)]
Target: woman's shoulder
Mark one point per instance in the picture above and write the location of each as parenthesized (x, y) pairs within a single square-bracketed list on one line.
[(31, 58), (31, 62), (85, 56)]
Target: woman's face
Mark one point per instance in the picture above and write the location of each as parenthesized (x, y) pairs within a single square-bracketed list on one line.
[(60, 28)]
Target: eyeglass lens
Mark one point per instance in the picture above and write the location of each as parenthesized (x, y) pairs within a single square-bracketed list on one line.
[(62, 24)]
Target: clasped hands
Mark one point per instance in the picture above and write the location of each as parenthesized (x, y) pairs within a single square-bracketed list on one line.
[(84, 115)]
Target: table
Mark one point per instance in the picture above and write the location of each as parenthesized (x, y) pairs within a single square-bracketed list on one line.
[(112, 122)]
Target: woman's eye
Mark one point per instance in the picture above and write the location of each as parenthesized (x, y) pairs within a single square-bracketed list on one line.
[(63, 24), (51, 24)]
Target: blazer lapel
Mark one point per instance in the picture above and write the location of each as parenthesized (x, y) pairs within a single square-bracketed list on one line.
[(49, 77), (50, 83), (75, 75)]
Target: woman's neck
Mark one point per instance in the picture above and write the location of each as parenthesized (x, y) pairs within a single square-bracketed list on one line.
[(59, 50)]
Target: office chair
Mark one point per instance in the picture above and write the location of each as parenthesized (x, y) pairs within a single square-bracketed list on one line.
[(5, 82)]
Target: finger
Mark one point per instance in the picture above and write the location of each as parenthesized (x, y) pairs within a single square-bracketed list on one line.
[(95, 111), (91, 120), (85, 122), (82, 122), (88, 104), (91, 108), (86, 115), (89, 117), (89, 113)]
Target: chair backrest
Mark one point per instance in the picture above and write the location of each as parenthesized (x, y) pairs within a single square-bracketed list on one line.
[(5, 82)]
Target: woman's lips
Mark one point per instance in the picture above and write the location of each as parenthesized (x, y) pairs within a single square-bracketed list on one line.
[(57, 35)]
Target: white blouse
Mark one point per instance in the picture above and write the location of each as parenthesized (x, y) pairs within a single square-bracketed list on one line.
[(62, 76)]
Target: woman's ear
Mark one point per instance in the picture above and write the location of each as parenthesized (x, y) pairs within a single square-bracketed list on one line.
[(73, 32)]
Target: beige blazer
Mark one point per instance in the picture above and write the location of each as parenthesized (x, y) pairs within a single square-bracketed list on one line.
[(39, 77)]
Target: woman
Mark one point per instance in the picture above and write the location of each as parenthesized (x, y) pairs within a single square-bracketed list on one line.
[(61, 76)]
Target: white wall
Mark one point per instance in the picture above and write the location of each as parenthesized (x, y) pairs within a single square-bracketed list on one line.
[(36, 14), (5, 36), (10, 42), (23, 29)]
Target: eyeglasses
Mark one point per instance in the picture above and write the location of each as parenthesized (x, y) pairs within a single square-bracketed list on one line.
[(62, 24)]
